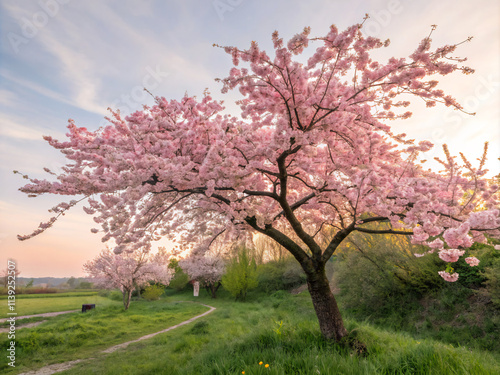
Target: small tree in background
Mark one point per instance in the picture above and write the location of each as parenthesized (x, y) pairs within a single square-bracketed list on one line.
[(241, 275), (128, 271), (180, 279), (153, 292), (72, 282), (4, 276), (207, 270)]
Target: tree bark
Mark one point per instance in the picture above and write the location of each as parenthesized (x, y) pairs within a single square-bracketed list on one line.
[(325, 305), (127, 295), (213, 288)]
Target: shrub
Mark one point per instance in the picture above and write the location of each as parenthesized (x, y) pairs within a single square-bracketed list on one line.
[(116, 295), (280, 275), (104, 292), (241, 275), (492, 282), (153, 292), (180, 279)]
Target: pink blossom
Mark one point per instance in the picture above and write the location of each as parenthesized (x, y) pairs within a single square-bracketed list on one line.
[(450, 255), (448, 277), (436, 244), (472, 261)]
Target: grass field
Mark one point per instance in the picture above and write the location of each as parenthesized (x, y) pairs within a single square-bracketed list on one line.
[(74, 336), (29, 304), (280, 330)]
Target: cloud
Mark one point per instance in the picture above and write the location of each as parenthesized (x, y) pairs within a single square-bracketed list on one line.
[(12, 128), (7, 98)]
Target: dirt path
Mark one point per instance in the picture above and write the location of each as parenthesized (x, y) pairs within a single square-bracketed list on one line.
[(45, 315), (27, 325), (58, 367)]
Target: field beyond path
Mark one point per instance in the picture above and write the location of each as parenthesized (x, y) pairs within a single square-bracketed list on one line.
[(44, 315)]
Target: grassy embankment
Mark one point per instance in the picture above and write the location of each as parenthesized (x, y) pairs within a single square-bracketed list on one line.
[(235, 338)]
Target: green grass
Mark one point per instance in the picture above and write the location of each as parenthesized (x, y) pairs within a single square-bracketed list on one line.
[(74, 336), (232, 339), (29, 305), (54, 295), (237, 336)]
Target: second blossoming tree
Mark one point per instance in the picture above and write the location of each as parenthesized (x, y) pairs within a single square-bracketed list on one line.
[(207, 270), (128, 271), (311, 150)]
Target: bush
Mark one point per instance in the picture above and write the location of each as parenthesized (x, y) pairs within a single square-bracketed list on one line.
[(104, 292), (492, 283), (180, 279), (280, 275), (153, 292), (241, 275), (116, 295), (372, 270)]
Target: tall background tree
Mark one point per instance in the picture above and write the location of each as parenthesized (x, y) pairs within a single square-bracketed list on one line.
[(241, 274), (311, 150)]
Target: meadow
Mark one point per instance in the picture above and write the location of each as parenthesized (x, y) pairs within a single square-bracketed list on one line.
[(30, 304), (279, 330)]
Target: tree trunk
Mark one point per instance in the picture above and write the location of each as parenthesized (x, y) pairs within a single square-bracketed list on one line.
[(127, 295), (325, 305), (138, 288), (213, 288)]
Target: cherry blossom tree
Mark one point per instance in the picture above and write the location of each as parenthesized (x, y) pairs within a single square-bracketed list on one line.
[(311, 150), (128, 271), (207, 270)]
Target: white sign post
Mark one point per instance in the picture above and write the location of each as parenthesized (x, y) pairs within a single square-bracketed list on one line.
[(196, 288)]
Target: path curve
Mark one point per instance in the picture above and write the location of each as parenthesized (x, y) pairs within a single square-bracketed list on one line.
[(26, 325), (58, 367)]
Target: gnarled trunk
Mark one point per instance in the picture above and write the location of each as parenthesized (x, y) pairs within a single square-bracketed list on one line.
[(325, 305)]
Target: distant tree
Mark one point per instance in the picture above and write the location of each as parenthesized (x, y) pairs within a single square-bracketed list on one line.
[(207, 270), (30, 283), (72, 282), (180, 279), (84, 285), (241, 275), (128, 271), (4, 276)]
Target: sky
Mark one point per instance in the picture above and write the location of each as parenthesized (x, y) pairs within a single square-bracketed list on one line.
[(62, 59)]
